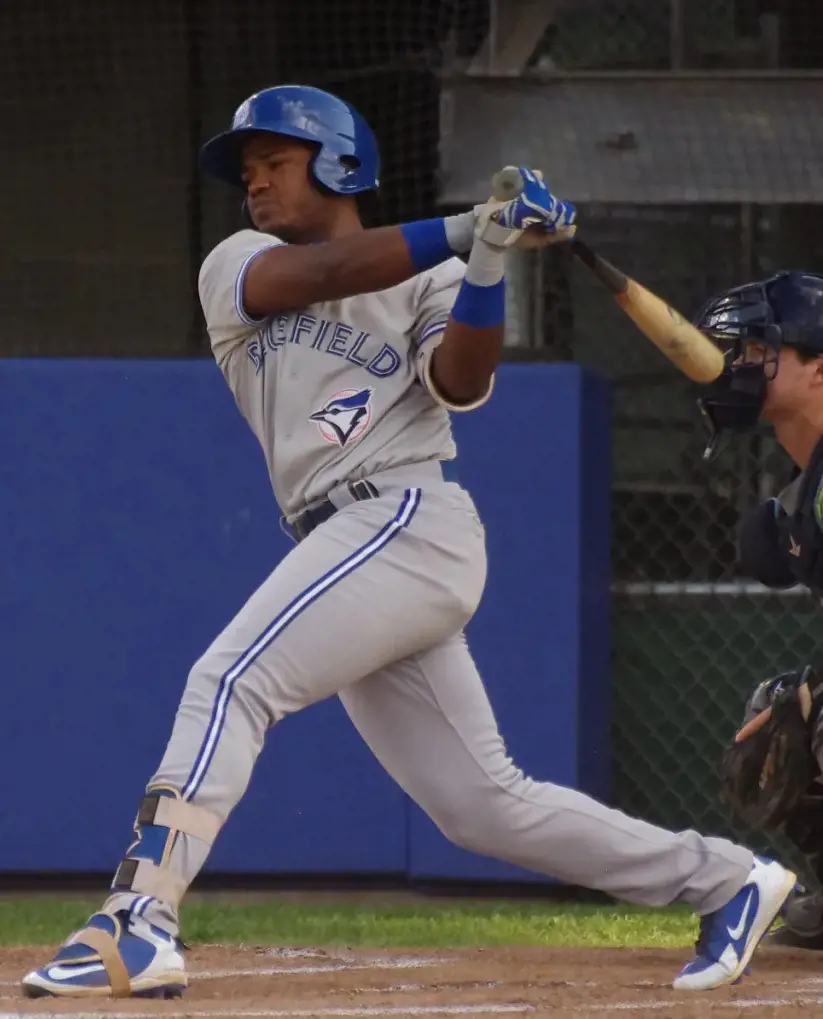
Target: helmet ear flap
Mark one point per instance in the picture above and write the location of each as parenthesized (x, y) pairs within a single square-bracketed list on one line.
[(316, 167)]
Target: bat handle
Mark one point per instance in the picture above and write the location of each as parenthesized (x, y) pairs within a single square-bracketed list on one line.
[(612, 278)]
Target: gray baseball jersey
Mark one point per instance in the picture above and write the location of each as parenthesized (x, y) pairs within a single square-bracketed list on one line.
[(340, 390)]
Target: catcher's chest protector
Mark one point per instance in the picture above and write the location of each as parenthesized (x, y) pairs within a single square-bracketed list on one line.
[(800, 530)]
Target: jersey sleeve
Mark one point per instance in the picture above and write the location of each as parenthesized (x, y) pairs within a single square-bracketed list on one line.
[(220, 286), (438, 293)]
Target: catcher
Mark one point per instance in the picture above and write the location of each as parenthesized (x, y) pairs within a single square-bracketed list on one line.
[(771, 777)]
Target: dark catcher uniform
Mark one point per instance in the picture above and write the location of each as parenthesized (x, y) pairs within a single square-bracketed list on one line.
[(780, 544)]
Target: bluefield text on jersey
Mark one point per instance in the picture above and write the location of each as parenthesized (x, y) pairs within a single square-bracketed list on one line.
[(327, 336)]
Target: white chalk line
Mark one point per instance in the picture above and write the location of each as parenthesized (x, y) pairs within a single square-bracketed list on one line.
[(303, 1013), (377, 1011), (326, 967), (485, 985), (401, 963), (281, 953), (657, 1005), (300, 953)]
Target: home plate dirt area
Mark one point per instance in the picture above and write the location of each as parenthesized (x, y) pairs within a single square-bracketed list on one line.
[(246, 981)]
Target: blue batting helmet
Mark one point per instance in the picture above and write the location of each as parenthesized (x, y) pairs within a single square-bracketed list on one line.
[(347, 161), (784, 310)]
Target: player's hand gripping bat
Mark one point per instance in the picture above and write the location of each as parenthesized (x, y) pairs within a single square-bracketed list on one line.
[(684, 345)]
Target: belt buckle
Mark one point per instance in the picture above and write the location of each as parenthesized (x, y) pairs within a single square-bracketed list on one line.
[(361, 490)]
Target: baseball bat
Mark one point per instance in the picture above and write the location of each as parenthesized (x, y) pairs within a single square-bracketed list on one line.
[(684, 345)]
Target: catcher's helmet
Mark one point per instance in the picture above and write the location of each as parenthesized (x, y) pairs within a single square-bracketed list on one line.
[(347, 161), (785, 309)]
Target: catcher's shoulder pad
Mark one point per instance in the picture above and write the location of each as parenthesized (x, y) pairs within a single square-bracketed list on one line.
[(760, 552)]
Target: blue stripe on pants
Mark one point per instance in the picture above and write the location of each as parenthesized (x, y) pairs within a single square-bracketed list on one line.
[(205, 755)]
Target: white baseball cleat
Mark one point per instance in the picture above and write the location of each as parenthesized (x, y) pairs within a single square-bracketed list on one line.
[(114, 955), (730, 935)]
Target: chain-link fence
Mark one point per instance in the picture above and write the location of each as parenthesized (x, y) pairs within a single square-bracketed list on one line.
[(691, 635), (688, 131), (671, 125)]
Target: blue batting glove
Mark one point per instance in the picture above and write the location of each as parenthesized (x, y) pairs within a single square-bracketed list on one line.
[(533, 219), (536, 206)]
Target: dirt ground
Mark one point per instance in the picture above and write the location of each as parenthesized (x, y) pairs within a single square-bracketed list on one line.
[(276, 983)]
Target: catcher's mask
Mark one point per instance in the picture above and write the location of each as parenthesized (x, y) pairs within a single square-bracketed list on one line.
[(785, 309)]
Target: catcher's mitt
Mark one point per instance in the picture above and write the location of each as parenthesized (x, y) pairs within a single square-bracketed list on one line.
[(768, 768)]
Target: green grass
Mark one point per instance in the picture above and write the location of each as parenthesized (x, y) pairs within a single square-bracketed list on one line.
[(415, 924)]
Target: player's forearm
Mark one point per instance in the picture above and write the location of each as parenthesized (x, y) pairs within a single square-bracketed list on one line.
[(290, 277), (464, 362)]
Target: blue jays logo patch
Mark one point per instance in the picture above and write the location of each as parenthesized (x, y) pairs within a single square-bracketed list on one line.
[(345, 416)]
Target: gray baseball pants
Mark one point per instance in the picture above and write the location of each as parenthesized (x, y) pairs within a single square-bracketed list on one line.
[(371, 607)]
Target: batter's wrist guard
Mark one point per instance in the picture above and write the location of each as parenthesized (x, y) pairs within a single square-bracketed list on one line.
[(428, 242)]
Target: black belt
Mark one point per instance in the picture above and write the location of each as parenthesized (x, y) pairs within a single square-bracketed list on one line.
[(302, 525)]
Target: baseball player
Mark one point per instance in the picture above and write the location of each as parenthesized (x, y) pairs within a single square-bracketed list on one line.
[(773, 332), (346, 349)]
